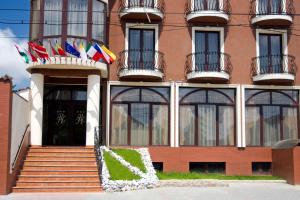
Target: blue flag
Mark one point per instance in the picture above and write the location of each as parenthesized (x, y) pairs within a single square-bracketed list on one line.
[(71, 50)]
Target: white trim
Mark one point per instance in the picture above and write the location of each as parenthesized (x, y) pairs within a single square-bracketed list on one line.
[(139, 84), (176, 115), (216, 75), (262, 87), (172, 115), (225, 86), (284, 41), (281, 76)]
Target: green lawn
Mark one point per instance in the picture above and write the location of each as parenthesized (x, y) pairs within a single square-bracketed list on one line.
[(131, 156), (117, 171), (194, 175)]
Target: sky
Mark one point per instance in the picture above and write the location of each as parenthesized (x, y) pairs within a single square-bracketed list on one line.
[(10, 61)]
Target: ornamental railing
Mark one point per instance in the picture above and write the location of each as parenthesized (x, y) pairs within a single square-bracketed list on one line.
[(140, 59), (158, 5), (273, 64), (193, 6), (98, 134), (208, 62), (271, 7)]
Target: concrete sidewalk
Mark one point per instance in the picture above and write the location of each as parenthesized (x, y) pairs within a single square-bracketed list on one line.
[(235, 191)]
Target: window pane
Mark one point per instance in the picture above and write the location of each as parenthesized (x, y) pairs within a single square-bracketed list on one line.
[(140, 124), (252, 126), (160, 134), (200, 54), (187, 125), (119, 125), (207, 125), (290, 124), (216, 97), (130, 95), (77, 17), (279, 98), (260, 98), (226, 125), (196, 97), (150, 96), (79, 95), (52, 17), (99, 19), (271, 125)]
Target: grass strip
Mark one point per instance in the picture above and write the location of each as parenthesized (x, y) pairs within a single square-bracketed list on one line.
[(131, 156), (118, 171)]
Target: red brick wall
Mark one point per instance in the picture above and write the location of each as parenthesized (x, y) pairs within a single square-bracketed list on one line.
[(283, 164), (5, 130), (238, 161), (296, 154)]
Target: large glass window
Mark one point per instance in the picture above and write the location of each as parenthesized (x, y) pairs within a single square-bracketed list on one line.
[(140, 116), (270, 53), (271, 116), (99, 22), (52, 17), (270, 6), (207, 51), (141, 48), (206, 5), (77, 17), (207, 117)]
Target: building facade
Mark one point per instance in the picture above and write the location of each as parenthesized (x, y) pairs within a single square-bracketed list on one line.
[(207, 85)]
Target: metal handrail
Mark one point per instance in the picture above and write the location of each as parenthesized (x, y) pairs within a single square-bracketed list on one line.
[(207, 5), (275, 64), (20, 146), (285, 7), (154, 4)]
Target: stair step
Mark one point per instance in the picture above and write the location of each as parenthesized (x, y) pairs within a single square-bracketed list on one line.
[(56, 183), (58, 167), (61, 158), (58, 153), (57, 189), (61, 163), (58, 178), (66, 150), (60, 172)]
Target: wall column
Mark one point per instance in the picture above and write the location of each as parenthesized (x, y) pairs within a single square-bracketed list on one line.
[(93, 108), (36, 112)]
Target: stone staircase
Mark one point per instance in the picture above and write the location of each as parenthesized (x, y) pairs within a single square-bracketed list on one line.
[(59, 169)]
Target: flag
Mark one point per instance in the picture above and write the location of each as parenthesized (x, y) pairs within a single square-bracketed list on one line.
[(93, 53), (112, 56), (39, 50), (102, 52), (82, 52), (22, 53), (60, 50), (71, 50), (54, 52), (33, 58)]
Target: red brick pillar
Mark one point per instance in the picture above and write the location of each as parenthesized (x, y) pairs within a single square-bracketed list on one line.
[(5, 131)]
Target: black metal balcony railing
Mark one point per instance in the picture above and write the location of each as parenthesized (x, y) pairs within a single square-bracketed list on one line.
[(207, 5), (271, 7), (273, 64), (140, 59), (154, 4), (208, 62)]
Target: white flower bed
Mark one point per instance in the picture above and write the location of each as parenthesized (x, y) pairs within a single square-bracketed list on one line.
[(148, 179)]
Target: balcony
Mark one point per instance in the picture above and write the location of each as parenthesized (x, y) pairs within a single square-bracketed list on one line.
[(208, 11), (208, 66), (274, 69), (142, 65), (272, 12), (152, 10)]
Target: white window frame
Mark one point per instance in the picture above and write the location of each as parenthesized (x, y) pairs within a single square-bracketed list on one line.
[(142, 26), (210, 29), (243, 103), (193, 4), (238, 124), (283, 4), (171, 85), (284, 43)]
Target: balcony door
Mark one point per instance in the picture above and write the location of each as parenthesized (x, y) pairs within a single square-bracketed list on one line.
[(141, 49), (206, 5), (270, 6), (207, 51), (270, 53)]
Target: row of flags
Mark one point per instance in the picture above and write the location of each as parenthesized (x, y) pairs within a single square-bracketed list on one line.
[(94, 51)]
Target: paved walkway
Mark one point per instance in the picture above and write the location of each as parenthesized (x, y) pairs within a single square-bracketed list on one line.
[(235, 191)]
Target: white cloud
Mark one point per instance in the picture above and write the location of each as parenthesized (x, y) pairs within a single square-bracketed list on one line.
[(11, 63)]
